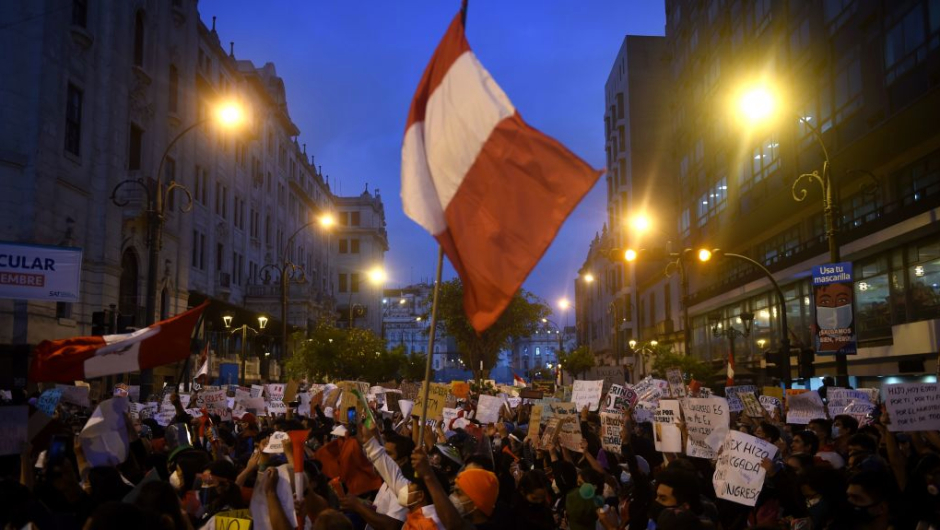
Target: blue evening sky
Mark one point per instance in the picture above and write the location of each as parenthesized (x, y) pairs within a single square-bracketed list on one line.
[(351, 68)]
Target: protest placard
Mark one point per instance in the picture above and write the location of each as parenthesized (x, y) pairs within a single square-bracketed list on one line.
[(49, 400), (772, 404), (76, 395), (773, 391), (649, 389), (290, 390), (643, 411), (276, 442), (531, 393), (514, 402), (872, 394), (676, 383), (610, 375), (705, 392), (437, 400), (275, 391), (449, 414), (839, 398), (242, 393), (611, 425), (214, 400), (535, 420), (707, 421), (619, 398), (860, 410), (803, 407), (460, 389), (587, 393), (257, 390), (276, 407), (410, 391), (406, 406), (731, 393), (739, 476), (551, 430), (104, 437), (752, 406), (13, 435), (913, 406), (570, 426), (488, 409), (227, 521), (666, 434), (256, 406)]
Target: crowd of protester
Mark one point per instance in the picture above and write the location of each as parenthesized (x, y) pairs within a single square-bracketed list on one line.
[(388, 474)]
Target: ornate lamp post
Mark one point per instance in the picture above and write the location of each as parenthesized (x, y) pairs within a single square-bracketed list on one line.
[(244, 329)]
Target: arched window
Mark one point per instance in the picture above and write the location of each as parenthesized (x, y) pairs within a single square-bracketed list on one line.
[(174, 88), (139, 39), (130, 276)]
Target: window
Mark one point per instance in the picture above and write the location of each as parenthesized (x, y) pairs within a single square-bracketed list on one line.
[(667, 301), (685, 223), (713, 201), (219, 256), (80, 13), (354, 282), (848, 86), (354, 246), (872, 295), (255, 222), (765, 160), (63, 310), (136, 145), (354, 218), (343, 246), (174, 82), (73, 121), (924, 275), (139, 39), (904, 43), (199, 251), (342, 282), (267, 230)]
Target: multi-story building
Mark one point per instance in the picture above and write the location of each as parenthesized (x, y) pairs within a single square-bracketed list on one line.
[(98, 98), (361, 245), (634, 128), (866, 77), (405, 323)]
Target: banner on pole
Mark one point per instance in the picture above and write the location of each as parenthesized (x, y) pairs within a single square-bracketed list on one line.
[(833, 290)]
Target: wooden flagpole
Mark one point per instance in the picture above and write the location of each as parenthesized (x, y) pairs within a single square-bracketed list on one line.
[(430, 354)]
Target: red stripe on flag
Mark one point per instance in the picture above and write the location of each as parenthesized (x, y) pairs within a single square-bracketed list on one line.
[(506, 212), (452, 45), (173, 342), (63, 361)]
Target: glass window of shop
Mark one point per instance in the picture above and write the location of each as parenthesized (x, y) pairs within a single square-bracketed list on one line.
[(872, 299), (923, 272)]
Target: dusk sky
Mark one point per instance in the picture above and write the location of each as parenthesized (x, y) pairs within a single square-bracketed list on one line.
[(351, 68)]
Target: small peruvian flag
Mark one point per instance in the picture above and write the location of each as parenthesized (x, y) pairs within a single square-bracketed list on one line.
[(518, 381)]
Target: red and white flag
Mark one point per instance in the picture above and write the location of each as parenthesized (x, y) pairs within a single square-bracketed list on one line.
[(80, 358), (730, 381), (518, 381), (491, 189), (204, 360)]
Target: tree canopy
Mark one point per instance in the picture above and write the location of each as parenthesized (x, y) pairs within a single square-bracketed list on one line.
[(664, 359), (578, 361), (520, 319), (351, 354)]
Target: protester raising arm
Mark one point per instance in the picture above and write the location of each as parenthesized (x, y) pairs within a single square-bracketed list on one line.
[(279, 519), (896, 458), (446, 510)]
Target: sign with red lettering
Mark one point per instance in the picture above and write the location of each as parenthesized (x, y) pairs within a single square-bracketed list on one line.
[(39, 272)]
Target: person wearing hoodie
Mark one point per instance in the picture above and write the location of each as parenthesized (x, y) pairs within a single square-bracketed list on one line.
[(531, 503)]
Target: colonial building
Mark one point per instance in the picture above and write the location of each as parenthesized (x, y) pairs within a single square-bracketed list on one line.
[(361, 245), (99, 101), (405, 321)]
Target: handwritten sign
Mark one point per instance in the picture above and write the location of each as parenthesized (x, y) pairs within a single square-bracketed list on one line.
[(610, 375), (535, 420), (913, 406), (752, 406), (676, 384), (732, 392), (551, 430), (214, 400), (276, 442), (643, 411), (257, 390), (569, 435), (772, 404), (437, 400), (587, 393), (488, 409), (707, 421), (666, 434), (739, 476), (13, 435), (530, 393), (275, 391), (650, 389), (277, 407), (76, 395), (49, 400), (774, 391), (460, 389), (840, 398), (803, 407), (611, 425), (619, 398)]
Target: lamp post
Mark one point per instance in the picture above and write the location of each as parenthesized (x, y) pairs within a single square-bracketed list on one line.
[(706, 255), (244, 329), (643, 348), (376, 276), (228, 115), (288, 273), (731, 332), (678, 264), (759, 104)]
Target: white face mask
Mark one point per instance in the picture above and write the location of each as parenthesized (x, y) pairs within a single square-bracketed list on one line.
[(176, 481), (834, 317), (835, 431), (625, 477), (459, 505)]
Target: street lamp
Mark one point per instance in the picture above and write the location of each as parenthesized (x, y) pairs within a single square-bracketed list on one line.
[(759, 103), (230, 116), (640, 349), (288, 272), (376, 276), (244, 329)]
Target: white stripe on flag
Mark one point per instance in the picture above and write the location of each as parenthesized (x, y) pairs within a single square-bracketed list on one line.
[(418, 196), (119, 356), (461, 114)]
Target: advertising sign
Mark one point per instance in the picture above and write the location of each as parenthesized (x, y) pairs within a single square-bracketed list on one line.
[(834, 329), (39, 272)]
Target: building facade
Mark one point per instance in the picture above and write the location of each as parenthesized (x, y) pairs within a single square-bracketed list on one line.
[(361, 243), (405, 323), (100, 99), (866, 77)]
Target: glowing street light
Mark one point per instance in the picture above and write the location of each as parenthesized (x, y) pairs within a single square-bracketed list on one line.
[(641, 223), (757, 104), (589, 278)]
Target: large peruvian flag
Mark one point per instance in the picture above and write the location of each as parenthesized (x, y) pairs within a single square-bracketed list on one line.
[(491, 189), (78, 358)]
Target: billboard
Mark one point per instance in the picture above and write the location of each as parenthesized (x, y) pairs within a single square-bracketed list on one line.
[(834, 321), (39, 272)]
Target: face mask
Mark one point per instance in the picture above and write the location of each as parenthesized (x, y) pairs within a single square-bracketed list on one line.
[(834, 317), (813, 501), (587, 491), (459, 505), (655, 510), (625, 477), (836, 431), (176, 481), (403, 495)]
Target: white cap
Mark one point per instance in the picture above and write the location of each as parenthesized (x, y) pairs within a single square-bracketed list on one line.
[(339, 430)]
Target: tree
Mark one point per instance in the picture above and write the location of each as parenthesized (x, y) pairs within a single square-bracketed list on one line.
[(664, 359), (520, 319), (413, 365), (337, 354), (577, 362)]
